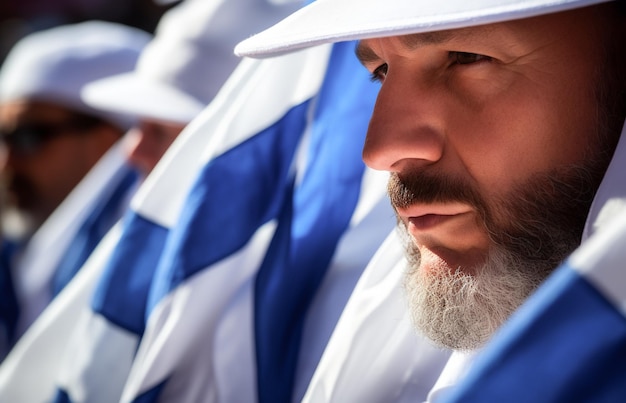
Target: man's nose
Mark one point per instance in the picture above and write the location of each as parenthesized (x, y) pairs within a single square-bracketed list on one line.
[(406, 127)]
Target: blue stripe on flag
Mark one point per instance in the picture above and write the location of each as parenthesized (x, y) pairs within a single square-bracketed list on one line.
[(151, 395), (566, 344), (9, 307), (122, 292), (322, 208), (236, 193), (61, 397), (93, 229)]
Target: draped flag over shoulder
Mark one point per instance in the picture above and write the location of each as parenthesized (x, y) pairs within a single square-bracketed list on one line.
[(107, 337), (262, 226), (568, 342)]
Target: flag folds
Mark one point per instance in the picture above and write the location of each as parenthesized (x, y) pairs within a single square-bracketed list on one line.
[(268, 179), (116, 322), (259, 233)]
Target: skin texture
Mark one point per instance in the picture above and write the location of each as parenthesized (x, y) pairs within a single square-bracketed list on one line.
[(38, 181), (146, 143), (494, 155)]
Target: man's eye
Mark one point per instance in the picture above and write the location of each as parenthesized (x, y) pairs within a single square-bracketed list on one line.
[(467, 58), (379, 73)]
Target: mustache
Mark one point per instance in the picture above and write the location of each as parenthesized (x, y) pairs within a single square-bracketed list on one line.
[(406, 189)]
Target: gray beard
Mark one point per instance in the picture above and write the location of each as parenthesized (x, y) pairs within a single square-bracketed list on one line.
[(462, 311)]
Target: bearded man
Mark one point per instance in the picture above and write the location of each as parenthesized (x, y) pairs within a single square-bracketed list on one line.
[(497, 121)]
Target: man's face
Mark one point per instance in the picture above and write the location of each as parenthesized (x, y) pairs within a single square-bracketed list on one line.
[(46, 151), (491, 135), (146, 143)]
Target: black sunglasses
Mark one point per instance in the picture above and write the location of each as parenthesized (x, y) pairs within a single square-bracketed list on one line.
[(28, 138)]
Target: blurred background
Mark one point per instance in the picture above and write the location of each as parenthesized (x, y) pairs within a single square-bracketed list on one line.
[(21, 17)]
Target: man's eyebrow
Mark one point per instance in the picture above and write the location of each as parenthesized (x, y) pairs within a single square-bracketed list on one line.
[(365, 54), (413, 41)]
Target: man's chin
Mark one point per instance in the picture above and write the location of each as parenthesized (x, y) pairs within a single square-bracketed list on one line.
[(441, 261), (460, 309), (440, 307)]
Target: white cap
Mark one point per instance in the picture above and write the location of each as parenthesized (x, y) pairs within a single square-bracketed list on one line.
[(191, 56), (54, 64), (325, 21)]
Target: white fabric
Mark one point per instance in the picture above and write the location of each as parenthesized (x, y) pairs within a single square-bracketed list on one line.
[(112, 346), (611, 196), (28, 372), (371, 221), (55, 64), (375, 354), (325, 21), (34, 268), (607, 212), (601, 264), (601, 261), (191, 56), (456, 368)]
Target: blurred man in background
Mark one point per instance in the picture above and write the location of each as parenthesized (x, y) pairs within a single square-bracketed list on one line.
[(50, 140)]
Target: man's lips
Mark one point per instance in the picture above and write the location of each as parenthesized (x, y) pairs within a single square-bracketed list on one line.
[(424, 217), (448, 230), (425, 222)]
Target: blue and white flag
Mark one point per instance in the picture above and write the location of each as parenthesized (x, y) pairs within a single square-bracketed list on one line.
[(106, 338), (206, 216), (267, 249), (568, 342), (39, 352), (79, 344)]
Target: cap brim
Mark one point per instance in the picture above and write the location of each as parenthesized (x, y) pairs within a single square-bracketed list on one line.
[(325, 21), (134, 95)]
